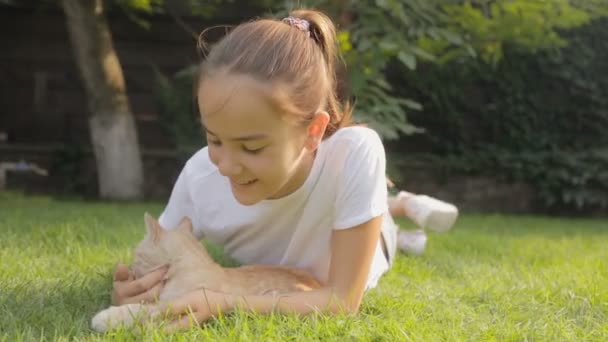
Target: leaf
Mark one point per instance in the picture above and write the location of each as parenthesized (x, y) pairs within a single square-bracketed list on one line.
[(407, 59), (388, 46), (452, 37), (411, 104), (422, 53)]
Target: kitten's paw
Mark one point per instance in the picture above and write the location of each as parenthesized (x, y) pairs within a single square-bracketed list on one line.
[(102, 321), (115, 316)]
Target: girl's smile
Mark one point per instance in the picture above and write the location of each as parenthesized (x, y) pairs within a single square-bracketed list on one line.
[(244, 186)]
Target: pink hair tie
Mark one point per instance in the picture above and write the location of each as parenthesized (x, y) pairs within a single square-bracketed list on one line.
[(300, 24)]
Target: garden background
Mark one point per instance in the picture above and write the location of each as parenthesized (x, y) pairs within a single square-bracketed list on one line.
[(495, 105)]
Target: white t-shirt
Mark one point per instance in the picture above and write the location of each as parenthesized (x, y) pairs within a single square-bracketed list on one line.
[(346, 187)]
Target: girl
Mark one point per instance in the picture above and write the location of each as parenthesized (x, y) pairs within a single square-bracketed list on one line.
[(283, 180)]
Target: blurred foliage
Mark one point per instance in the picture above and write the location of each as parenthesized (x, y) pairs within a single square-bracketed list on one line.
[(139, 10), (68, 162), (488, 26), (377, 33), (541, 118), (595, 8), (175, 100)]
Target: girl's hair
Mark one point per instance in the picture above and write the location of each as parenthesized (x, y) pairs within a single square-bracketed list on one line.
[(298, 64)]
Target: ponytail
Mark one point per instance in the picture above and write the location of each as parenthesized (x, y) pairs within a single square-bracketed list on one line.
[(323, 32)]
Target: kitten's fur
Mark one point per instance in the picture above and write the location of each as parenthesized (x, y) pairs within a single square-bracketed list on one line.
[(191, 268)]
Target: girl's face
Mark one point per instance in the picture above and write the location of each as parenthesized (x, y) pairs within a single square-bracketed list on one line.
[(263, 155)]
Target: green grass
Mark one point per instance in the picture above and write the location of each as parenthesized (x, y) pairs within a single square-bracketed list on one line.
[(493, 278)]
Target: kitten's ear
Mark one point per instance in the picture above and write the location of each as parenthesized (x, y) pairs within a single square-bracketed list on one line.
[(153, 227), (185, 225)]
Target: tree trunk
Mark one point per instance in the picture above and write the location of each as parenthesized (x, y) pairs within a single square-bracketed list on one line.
[(112, 126)]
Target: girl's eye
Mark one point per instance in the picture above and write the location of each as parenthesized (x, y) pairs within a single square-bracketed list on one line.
[(214, 142), (253, 151)]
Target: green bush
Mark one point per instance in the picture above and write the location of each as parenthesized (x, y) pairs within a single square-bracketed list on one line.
[(175, 100), (538, 117)]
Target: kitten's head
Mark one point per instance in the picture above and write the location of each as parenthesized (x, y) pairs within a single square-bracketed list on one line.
[(160, 245)]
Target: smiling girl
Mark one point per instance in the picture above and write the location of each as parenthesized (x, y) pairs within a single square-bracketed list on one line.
[(285, 179)]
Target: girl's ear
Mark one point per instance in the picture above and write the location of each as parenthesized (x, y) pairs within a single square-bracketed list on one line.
[(316, 130), (185, 225), (153, 227)]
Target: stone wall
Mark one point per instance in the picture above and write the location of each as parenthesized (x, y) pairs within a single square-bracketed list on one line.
[(471, 193)]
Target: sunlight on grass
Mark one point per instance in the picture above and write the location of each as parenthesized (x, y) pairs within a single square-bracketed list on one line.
[(494, 277)]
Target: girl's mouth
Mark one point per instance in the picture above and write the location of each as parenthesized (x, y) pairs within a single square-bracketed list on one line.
[(245, 183)]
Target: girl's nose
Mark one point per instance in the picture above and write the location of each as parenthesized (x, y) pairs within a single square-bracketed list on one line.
[(229, 167)]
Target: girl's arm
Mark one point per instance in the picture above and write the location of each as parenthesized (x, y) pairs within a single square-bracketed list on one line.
[(352, 253), (351, 258)]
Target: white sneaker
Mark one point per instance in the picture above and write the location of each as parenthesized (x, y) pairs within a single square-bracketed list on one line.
[(428, 212), (412, 242)]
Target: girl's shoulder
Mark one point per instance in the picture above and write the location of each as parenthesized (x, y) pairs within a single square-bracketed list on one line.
[(355, 138), (356, 132)]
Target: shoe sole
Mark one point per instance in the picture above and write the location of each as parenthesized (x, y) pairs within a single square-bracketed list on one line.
[(441, 221)]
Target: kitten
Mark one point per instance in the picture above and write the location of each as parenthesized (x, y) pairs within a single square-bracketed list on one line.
[(191, 268)]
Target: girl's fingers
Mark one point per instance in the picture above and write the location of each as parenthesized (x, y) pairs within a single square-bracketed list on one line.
[(149, 296), (121, 273), (144, 284)]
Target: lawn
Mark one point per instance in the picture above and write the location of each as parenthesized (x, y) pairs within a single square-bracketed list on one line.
[(494, 277)]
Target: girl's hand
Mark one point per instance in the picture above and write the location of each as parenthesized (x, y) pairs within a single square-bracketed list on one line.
[(127, 290), (193, 308)]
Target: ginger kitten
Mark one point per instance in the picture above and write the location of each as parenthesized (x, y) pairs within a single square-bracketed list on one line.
[(191, 268)]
